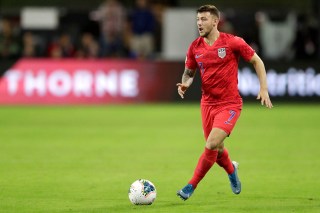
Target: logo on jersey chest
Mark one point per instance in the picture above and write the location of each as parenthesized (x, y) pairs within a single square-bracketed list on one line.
[(222, 52)]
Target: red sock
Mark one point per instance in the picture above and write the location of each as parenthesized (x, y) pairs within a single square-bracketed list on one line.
[(205, 162), (224, 161)]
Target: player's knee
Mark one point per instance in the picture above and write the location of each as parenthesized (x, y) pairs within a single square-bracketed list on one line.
[(220, 148), (213, 144)]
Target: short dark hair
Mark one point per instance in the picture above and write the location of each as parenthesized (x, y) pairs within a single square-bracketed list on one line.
[(209, 8)]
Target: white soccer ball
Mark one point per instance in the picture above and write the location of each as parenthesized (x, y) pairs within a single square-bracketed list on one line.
[(142, 192)]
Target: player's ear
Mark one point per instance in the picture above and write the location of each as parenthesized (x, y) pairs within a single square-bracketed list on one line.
[(215, 21)]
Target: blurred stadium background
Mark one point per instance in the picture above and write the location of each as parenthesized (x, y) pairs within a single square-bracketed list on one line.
[(106, 73), (147, 37)]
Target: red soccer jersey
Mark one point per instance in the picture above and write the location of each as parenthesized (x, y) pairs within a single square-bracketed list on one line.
[(218, 66)]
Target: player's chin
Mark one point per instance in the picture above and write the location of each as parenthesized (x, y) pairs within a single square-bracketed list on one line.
[(202, 34)]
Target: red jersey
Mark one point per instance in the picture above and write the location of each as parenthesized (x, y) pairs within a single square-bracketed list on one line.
[(218, 66)]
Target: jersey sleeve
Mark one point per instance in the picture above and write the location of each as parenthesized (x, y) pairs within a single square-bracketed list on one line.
[(244, 50), (190, 61)]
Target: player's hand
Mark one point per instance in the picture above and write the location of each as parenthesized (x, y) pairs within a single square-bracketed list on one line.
[(263, 96), (182, 88)]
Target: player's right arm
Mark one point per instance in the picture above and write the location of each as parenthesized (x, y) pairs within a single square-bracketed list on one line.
[(186, 81), (189, 72)]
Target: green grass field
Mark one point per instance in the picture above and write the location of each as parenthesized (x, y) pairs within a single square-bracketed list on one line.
[(84, 158)]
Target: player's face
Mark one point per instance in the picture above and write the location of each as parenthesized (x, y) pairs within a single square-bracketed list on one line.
[(206, 23)]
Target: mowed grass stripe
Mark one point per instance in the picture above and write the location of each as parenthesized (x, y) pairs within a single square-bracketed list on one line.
[(84, 158)]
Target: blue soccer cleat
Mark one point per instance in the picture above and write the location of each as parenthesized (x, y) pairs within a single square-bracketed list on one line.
[(234, 179), (186, 192)]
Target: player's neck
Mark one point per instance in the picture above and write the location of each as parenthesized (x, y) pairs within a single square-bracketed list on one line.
[(212, 37)]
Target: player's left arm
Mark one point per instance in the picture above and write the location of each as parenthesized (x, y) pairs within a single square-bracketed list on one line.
[(261, 72)]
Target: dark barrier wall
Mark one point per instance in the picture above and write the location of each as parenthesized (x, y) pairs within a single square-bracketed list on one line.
[(299, 81), (73, 81)]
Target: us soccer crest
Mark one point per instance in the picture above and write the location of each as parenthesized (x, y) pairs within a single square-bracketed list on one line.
[(222, 52)]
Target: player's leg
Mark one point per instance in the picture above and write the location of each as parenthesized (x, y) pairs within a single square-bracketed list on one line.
[(230, 167), (209, 155), (226, 120), (214, 137), (224, 160), (206, 161), (207, 121)]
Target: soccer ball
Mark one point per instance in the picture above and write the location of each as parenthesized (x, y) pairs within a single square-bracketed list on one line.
[(142, 192)]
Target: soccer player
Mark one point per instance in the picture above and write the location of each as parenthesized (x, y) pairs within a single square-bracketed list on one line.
[(216, 55)]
